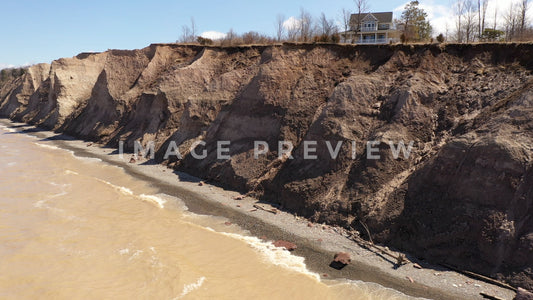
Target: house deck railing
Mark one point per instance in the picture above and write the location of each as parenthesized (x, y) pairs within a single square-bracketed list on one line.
[(374, 41)]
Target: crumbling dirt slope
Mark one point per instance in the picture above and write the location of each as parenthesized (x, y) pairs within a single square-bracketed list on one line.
[(464, 196)]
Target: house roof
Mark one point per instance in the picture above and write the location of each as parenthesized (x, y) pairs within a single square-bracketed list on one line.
[(383, 17)]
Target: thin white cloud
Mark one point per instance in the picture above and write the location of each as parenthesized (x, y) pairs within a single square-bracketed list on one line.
[(214, 35), (291, 23), (6, 66), (438, 15)]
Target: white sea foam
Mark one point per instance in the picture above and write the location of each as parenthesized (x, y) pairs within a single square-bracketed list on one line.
[(188, 288), (70, 172), (121, 189), (160, 202), (87, 159), (47, 146), (39, 204), (275, 255), (7, 129), (135, 254)]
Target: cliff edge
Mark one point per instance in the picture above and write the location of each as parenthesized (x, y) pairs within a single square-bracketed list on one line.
[(464, 195)]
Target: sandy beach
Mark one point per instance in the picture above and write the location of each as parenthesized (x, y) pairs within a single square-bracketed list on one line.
[(317, 243)]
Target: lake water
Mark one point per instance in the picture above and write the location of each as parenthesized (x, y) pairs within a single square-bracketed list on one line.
[(78, 228)]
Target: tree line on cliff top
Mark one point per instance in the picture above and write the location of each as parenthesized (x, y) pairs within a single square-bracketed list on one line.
[(470, 24), (10, 73)]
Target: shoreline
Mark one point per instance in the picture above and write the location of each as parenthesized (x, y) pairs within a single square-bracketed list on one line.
[(316, 244)]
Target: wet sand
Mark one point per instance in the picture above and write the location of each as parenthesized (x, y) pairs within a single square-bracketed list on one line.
[(316, 244)]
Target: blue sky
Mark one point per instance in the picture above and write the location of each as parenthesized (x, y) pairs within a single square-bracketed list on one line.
[(41, 31)]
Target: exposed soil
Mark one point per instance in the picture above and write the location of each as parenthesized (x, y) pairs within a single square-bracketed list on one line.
[(463, 197)]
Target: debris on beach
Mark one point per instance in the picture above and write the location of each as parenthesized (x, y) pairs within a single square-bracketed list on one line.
[(410, 279), (417, 266), (487, 296), (284, 244), (265, 207), (239, 197), (309, 224), (522, 294), (340, 260), (132, 160), (227, 223), (201, 183), (343, 257)]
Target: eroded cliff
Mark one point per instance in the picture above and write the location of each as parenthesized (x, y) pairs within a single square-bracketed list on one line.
[(464, 196)]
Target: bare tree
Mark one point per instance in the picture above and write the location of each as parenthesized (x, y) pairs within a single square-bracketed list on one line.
[(484, 5), (188, 34), (511, 19), (495, 17), (292, 31), (465, 20), (325, 26), (193, 29), (230, 38), (470, 25), (523, 17), (185, 34), (306, 23), (459, 11), (280, 28), (361, 7), (345, 21)]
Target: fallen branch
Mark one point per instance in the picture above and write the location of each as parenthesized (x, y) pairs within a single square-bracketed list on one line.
[(399, 257), (487, 296), (270, 210), (480, 277)]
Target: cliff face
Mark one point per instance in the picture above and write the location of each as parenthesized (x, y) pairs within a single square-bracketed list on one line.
[(464, 196)]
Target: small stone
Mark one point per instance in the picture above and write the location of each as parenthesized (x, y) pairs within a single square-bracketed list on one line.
[(417, 266), (201, 183), (319, 240), (522, 294), (284, 244), (310, 224), (227, 223), (89, 145), (240, 197), (263, 237), (132, 160), (253, 209), (238, 205), (410, 279), (342, 257), (325, 275)]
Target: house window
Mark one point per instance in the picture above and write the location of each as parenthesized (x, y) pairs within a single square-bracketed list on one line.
[(384, 26), (370, 25)]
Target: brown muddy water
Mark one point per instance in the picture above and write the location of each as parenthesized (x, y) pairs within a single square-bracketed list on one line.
[(77, 228)]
